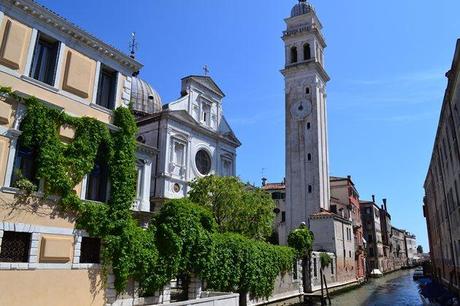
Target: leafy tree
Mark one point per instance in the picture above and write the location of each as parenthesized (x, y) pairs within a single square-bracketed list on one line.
[(235, 206), (301, 239), (420, 249), (325, 260)]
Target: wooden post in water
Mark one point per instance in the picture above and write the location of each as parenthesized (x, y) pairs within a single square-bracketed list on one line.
[(322, 290), (327, 290)]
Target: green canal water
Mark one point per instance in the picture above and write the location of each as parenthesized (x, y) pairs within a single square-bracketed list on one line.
[(396, 288)]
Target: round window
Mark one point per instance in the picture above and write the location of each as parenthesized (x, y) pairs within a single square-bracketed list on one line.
[(176, 187), (203, 162)]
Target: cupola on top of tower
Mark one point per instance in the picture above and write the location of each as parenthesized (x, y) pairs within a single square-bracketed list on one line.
[(301, 8)]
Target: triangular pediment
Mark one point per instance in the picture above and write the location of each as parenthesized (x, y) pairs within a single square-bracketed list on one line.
[(207, 82)]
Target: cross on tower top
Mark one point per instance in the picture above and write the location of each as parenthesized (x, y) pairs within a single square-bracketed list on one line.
[(206, 70)]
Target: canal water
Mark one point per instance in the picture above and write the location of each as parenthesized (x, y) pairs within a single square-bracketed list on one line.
[(396, 288)]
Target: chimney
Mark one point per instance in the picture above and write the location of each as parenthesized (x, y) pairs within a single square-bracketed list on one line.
[(349, 177), (385, 204), (264, 181), (373, 198)]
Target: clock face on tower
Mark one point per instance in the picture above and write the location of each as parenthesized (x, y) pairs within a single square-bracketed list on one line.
[(301, 109)]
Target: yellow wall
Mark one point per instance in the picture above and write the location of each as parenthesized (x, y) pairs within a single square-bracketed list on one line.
[(15, 44), (70, 106), (51, 288), (78, 75), (33, 211)]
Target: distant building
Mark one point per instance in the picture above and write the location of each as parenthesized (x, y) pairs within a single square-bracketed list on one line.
[(442, 185), (411, 249), (325, 225), (278, 193), (344, 192), (385, 226), (370, 216), (398, 248)]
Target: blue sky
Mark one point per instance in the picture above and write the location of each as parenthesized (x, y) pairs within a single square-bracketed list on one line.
[(386, 59)]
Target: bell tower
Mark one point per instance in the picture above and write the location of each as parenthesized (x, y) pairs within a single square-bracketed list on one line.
[(307, 158)]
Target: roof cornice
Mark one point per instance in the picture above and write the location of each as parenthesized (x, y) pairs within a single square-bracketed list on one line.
[(46, 16)]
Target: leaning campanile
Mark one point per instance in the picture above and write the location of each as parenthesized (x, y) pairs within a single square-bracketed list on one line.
[(307, 158)]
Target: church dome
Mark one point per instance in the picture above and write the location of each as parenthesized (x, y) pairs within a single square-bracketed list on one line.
[(301, 8), (144, 98)]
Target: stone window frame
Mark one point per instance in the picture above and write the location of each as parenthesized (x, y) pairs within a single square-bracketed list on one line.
[(211, 158), (204, 102), (229, 158), (13, 134), (183, 139), (36, 233), (142, 201), (84, 183)]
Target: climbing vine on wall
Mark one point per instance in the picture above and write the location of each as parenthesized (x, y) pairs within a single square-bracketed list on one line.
[(182, 238)]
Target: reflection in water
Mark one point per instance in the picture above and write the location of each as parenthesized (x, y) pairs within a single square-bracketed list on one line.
[(397, 288)]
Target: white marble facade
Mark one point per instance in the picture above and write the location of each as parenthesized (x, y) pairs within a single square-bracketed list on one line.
[(192, 136)]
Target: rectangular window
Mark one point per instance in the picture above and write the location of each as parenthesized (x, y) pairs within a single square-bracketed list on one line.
[(283, 216), (97, 182), (106, 90), (206, 114), (332, 266), (140, 178), (24, 165), (227, 168), (15, 247), (90, 250), (179, 150), (44, 61)]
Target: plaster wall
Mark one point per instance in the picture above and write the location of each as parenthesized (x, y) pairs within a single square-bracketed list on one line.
[(15, 44), (52, 288)]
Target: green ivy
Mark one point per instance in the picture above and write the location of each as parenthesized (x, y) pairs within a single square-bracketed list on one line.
[(182, 239), (245, 265)]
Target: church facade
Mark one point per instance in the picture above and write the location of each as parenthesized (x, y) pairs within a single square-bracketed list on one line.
[(192, 135)]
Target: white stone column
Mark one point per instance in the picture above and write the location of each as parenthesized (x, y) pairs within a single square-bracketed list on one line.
[(194, 288)]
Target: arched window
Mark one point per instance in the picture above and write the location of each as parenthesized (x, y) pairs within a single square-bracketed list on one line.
[(307, 90), (293, 55), (309, 156), (306, 52)]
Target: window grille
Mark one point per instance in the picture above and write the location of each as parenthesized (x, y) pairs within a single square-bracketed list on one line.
[(90, 250), (15, 247)]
